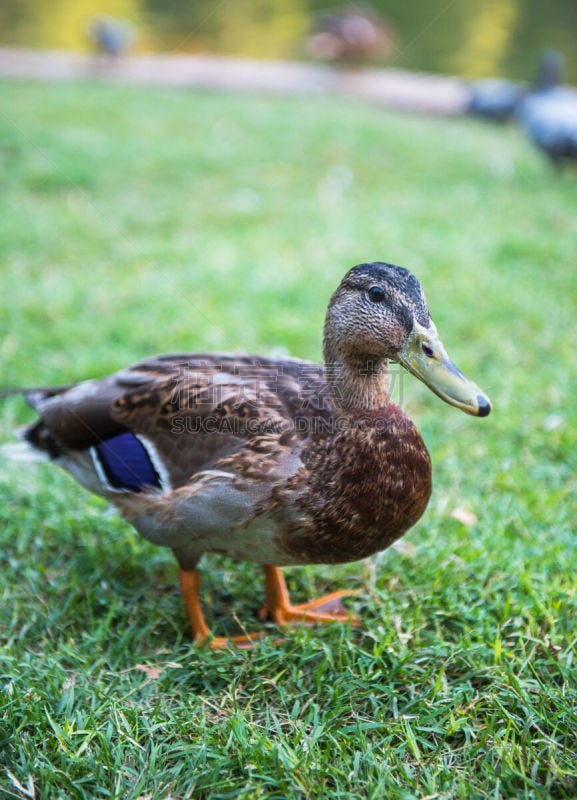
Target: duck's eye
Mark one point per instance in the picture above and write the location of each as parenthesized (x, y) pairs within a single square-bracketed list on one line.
[(376, 294)]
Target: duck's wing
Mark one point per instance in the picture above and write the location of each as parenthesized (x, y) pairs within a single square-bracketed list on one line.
[(164, 419)]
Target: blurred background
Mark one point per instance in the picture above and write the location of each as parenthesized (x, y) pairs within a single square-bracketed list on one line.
[(492, 38)]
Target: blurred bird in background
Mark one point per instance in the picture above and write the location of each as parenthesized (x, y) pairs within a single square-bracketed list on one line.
[(494, 99), (545, 110), (548, 112), (110, 36), (350, 37)]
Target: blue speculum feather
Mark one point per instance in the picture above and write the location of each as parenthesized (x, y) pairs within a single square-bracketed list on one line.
[(127, 464)]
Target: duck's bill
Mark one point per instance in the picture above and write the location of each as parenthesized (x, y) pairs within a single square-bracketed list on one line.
[(426, 358)]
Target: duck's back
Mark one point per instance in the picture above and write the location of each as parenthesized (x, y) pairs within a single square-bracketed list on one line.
[(158, 422)]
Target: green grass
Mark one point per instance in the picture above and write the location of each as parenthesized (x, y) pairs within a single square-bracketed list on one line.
[(138, 221)]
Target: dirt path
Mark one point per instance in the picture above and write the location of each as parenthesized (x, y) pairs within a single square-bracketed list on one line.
[(392, 88)]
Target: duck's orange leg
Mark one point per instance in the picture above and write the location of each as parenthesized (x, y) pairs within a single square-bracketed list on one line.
[(277, 604), (190, 588)]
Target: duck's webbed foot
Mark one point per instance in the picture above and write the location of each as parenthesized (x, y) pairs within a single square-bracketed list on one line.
[(322, 609)]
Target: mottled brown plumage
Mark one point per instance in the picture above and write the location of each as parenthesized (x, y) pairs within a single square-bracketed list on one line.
[(277, 461), (364, 486)]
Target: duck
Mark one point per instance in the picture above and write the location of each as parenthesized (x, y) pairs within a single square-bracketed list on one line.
[(548, 113), (276, 461), (111, 37), (350, 37), (493, 99)]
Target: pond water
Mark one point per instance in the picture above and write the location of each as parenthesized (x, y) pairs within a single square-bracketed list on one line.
[(471, 38)]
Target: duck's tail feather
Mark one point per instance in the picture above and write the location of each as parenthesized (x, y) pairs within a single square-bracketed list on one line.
[(36, 443), (22, 451), (34, 393)]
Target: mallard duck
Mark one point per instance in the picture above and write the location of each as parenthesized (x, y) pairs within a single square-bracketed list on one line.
[(277, 461)]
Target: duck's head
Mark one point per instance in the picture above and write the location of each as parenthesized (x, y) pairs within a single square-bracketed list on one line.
[(549, 71), (379, 313)]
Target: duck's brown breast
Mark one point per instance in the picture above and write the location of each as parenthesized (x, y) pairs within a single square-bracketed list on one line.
[(363, 486)]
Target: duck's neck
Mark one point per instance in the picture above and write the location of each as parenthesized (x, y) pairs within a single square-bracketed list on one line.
[(358, 384)]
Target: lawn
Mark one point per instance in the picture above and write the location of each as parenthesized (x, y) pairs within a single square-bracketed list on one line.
[(138, 221)]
